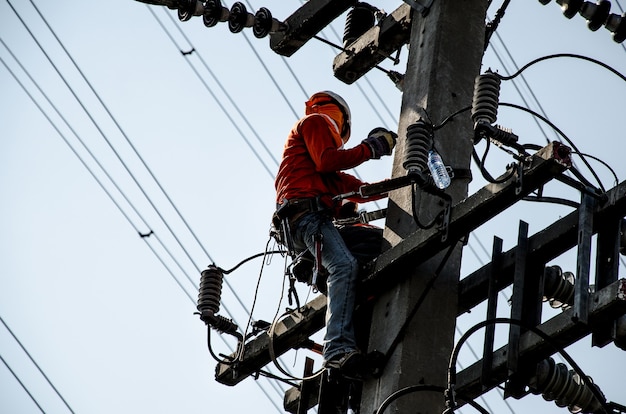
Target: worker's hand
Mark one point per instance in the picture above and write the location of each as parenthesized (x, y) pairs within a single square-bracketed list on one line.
[(381, 141)]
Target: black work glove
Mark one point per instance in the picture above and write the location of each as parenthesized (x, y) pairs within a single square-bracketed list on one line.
[(381, 141)]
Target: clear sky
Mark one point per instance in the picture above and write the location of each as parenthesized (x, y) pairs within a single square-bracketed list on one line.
[(108, 315)]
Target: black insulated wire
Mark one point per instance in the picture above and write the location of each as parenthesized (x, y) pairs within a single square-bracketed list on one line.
[(562, 134), (425, 387), (105, 107), (564, 55), (96, 125), (93, 174)]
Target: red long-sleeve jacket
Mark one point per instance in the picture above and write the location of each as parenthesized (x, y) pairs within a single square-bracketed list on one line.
[(313, 159)]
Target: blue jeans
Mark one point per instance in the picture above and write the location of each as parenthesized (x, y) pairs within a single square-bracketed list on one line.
[(342, 270)]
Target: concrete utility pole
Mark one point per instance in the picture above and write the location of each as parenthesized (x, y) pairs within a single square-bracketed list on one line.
[(445, 52)]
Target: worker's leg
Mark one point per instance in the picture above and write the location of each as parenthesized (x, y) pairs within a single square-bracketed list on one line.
[(342, 270)]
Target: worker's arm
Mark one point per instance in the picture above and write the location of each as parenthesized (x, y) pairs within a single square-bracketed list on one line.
[(321, 142)]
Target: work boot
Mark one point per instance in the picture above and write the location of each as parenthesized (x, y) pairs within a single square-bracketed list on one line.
[(350, 365)]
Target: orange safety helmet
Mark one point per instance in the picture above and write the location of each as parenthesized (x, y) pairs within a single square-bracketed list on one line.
[(329, 97)]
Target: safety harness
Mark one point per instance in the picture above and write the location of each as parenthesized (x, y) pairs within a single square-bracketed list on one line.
[(306, 267)]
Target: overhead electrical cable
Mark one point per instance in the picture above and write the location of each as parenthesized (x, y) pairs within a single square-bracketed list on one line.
[(98, 127), (105, 107), (561, 133), (482, 396), (95, 124), (471, 348), (114, 202), (532, 94), (37, 366), (225, 92), (111, 146), (565, 55), (586, 380), (169, 35), (89, 169), (217, 101), (22, 384), (131, 145)]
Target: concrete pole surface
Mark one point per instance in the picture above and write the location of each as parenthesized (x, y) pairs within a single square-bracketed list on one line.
[(445, 55)]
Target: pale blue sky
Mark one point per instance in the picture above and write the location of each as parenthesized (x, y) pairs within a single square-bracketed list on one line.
[(112, 329)]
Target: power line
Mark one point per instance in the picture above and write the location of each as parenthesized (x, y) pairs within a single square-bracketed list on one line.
[(233, 103), (539, 125), (105, 107), (112, 198), (22, 384), (36, 365), (119, 208), (89, 169), (112, 148), (217, 81), (129, 142)]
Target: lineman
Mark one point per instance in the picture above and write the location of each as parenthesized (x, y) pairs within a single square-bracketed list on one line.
[(309, 176)]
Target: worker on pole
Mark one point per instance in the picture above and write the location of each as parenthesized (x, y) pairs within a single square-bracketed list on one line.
[(309, 178)]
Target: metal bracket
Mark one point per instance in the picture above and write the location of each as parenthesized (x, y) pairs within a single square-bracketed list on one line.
[(418, 6), (585, 234)]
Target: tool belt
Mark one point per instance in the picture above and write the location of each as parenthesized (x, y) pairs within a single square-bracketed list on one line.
[(296, 207), (287, 213)]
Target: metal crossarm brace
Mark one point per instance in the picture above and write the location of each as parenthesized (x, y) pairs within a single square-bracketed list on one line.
[(607, 270), (525, 307), (608, 303), (492, 304)]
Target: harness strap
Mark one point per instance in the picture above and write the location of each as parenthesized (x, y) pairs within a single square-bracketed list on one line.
[(317, 269)]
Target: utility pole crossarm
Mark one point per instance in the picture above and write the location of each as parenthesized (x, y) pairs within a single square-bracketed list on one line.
[(374, 46), (305, 23), (290, 332), (469, 214)]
